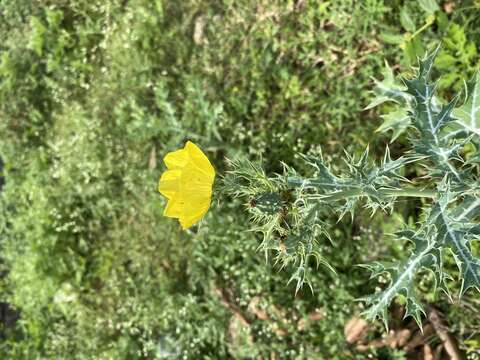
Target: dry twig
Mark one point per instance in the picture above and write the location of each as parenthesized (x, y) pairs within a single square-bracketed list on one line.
[(442, 331)]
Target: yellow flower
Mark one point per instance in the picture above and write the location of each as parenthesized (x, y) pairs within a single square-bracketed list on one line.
[(187, 184)]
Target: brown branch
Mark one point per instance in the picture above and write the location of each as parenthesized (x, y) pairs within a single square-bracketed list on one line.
[(441, 329), (419, 338), (224, 299)]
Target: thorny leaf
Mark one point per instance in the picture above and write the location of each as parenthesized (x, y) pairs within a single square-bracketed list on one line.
[(291, 211)]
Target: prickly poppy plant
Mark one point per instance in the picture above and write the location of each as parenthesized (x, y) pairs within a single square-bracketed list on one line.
[(290, 211)]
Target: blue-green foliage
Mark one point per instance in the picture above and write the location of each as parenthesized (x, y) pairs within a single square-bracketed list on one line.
[(440, 136)]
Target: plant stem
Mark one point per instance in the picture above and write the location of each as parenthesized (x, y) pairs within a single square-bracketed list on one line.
[(406, 192), (409, 192), (429, 22)]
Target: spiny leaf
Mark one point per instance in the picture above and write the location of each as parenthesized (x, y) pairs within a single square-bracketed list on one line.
[(402, 282), (397, 121), (388, 90), (468, 115), (324, 178), (444, 228), (453, 233), (469, 208), (425, 65), (430, 120)]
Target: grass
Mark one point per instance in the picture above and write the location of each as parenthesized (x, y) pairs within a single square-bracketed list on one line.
[(94, 93)]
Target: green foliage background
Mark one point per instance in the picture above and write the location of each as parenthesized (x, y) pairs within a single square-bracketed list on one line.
[(94, 93)]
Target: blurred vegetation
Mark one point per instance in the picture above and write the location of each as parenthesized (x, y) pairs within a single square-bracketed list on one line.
[(93, 93)]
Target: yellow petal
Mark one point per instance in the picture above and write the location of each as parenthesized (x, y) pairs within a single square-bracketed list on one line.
[(195, 182), (200, 160), (169, 183), (196, 211), (186, 223), (174, 208), (187, 184), (176, 159)]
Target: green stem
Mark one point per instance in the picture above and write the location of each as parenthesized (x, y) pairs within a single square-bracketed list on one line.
[(410, 192), (425, 26), (406, 192)]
